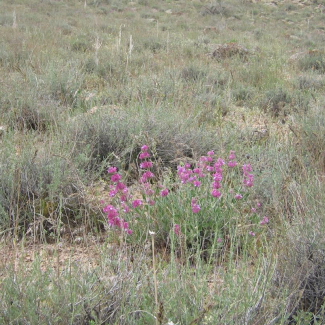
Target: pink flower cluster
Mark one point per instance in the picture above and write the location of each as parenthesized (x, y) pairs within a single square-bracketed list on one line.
[(192, 176), (177, 229), (195, 207), (187, 175), (232, 159), (217, 177), (248, 178), (146, 175), (118, 186), (136, 203), (264, 221), (206, 167), (164, 192), (144, 152), (115, 220)]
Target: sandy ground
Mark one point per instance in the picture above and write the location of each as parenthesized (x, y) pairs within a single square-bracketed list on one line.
[(56, 256)]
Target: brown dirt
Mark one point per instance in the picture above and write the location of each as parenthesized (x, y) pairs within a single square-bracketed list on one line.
[(55, 256)]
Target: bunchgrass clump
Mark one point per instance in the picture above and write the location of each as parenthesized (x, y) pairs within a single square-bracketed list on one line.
[(314, 61)]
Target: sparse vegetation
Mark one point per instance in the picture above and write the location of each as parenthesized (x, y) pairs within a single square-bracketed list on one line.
[(162, 87)]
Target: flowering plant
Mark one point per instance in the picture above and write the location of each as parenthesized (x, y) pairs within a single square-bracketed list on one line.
[(207, 201)]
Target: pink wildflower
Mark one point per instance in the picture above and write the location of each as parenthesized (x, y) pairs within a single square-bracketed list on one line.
[(164, 192), (216, 185), (195, 207), (247, 168), (210, 153), (112, 193), (144, 155), (219, 240), (191, 179), (264, 221), (125, 207), (144, 148), (210, 168), (146, 175), (114, 220), (177, 229), (109, 209), (232, 155), (215, 193), (232, 163), (136, 203), (196, 183), (220, 162), (146, 164), (238, 196), (112, 170), (201, 175), (248, 180), (251, 233), (120, 186), (115, 178), (149, 191), (151, 202), (217, 177)]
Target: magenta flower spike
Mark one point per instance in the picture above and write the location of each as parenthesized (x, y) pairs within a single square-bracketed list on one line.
[(146, 165), (144, 155), (195, 207), (232, 155), (232, 163), (115, 178), (264, 221), (215, 193), (196, 183), (177, 229), (136, 203), (144, 148), (164, 192), (112, 170)]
